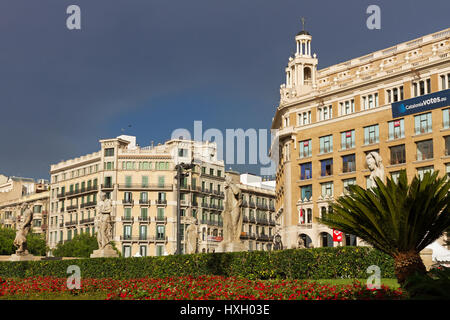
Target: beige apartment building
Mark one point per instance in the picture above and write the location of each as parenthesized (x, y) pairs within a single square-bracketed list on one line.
[(16, 191), (141, 183), (328, 120), (259, 224)]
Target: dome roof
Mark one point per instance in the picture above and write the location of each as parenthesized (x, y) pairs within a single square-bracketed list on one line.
[(303, 32)]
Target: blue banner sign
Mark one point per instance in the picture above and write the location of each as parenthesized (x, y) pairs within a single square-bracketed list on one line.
[(420, 104)]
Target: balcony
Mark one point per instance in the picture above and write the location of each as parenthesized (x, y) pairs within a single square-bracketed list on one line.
[(262, 221), (245, 203), (152, 186), (205, 205), (87, 221), (262, 237), (61, 195), (107, 186), (61, 224), (127, 219), (272, 222), (262, 206), (82, 190), (71, 223), (252, 220), (127, 201), (271, 207), (202, 221), (160, 202), (159, 238), (244, 235), (161, 219), (89, 204), (252, 236), (252, 204), (144, 219), (245, 219), (144, 201), (70, 208), (185, 187)]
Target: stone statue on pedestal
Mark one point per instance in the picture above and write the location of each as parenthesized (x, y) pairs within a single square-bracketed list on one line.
[(103, 224), (301, 243), (232, 218), (192, 237), (24, 228), (375, 164), (20, 242)]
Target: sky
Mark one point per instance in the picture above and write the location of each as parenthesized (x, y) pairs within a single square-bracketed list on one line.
[(148, 67)]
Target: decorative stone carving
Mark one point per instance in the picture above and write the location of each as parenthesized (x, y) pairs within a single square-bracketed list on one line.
[(375, 164), (104, 229), (300, 243), (277, 244)]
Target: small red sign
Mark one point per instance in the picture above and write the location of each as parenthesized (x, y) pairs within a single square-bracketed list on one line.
[(306, 143), (348, 134), (337, 235), (397, 123)]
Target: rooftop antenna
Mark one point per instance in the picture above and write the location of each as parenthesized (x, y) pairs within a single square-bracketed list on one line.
[(303, 23)]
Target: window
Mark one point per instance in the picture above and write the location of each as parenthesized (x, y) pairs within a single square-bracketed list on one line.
[(143, 251), (127, 196), (370, 101), (127, 181), (326, 144), (142, 232), (447, 169), (327, 189), (347, 107), (306, 171), (421, 87), (348, 139), (371, 134), (159, 250), (394, 94), (425, 150), (305, 216), (326, 167), (446, 118), (161, 180), (306, 192), (304, 118), (398, 154), (160, 232), (348, 163), (396, 129), (160, 213), (127, 213), (395, 176), (127, 232), (421, 171), (422, 123), (445, 81), (447, 145), (305, 148), (126, 251), (109, 152), (182, 152), (325, 112), (347, 183)]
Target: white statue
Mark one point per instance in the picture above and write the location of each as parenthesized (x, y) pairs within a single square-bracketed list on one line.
[(375, 164), (104, 226), (24, 228), (192, 237), (232, 218)]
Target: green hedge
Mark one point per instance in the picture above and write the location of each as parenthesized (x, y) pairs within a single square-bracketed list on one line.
[(316, 263)]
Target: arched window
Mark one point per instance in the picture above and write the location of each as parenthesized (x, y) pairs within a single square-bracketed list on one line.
[(307, 73)]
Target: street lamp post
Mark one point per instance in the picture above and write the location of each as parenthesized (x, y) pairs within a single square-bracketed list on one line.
[(180, 168)]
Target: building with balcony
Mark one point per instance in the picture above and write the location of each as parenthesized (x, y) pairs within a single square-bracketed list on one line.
[(393, 101), (141, 183), (259, 222), (16, 191)]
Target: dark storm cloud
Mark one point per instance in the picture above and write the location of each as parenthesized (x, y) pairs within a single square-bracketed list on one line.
[(144, 62)]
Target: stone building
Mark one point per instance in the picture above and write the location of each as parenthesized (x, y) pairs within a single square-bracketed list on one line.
[(328, 120), (16, 191), (141, 183)]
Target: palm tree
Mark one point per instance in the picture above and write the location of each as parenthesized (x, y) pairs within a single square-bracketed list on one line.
[(396, 218)]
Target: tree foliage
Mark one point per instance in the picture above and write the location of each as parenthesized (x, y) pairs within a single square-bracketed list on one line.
[(36, 242), (82, 245)]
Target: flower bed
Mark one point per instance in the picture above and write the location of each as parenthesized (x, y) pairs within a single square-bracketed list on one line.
[(199, 288)]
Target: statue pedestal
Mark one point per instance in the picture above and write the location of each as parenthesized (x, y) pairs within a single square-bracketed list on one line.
[(22, 257), (232, 247), (107, 252)]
